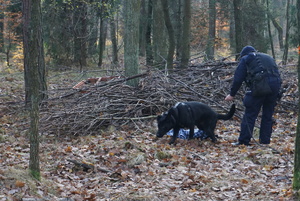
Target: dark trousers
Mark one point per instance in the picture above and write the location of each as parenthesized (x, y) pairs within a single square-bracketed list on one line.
[(253, 105)]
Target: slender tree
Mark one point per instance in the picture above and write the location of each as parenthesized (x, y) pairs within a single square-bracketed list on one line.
[(238, 25), (149, 48), (131, 35), (80, 33), (278, 28), (287, 33), (103, 29), (186, 34), (34, 65), (114, 41), (159, 34), (296, 179), (270, 31), (58, 31), (32, 42), (171, 36), (210, 46), (143, 28), (2, 7), (177, 8)]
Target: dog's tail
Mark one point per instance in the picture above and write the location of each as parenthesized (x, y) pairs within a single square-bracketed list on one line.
[(229, 114)]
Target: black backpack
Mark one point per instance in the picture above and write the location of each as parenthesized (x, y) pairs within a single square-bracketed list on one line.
[(259, 69)]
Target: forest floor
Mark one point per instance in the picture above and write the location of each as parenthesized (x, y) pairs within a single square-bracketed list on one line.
[(131, 164)]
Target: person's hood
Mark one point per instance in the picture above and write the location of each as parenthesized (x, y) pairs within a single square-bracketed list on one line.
[(246, 50)]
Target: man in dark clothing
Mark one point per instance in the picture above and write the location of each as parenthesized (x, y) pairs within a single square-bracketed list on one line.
[(253, 104)]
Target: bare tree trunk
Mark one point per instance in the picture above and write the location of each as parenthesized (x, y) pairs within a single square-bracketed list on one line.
[(232, 31), (102, 39), (33, 62), (177, 12), (80, 34), (83, 37), (296, 179), (143, 28), (238, 25), (186, 34), (159, 35), (33, 39), (210, 47), (103, 30), (131, 35), (278, 28), (287, 34), (270, 33), (1, 32), (114, 41), (103, 12), (171, 35), (149, 48)]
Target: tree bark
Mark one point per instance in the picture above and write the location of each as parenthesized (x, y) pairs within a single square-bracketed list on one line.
[(171, 36), (238, 25), (149, 48), (177, 8), (296, 179), (33, 63), (103, 12), (270, 32), (102, 39), (1, 32), (278, 28), (287, 33), (210, 47), (32, 42), (131, 35), (159, 35), (142, 28), (114, 41), (186, 34), (80, 33)]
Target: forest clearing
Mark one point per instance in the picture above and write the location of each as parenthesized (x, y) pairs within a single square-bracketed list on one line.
[(121, 159)]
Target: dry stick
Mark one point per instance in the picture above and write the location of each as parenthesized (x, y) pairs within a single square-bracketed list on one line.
[(204, 97), (157, 93), (101, 85), (127, 118)]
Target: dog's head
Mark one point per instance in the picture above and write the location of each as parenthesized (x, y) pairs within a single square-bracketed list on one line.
[(165, 123)]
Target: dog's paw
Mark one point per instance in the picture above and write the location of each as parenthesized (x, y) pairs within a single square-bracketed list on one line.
[(214, 140)]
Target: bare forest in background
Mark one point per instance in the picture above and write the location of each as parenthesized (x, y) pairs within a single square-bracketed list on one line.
[(82, 82), (84, 34)]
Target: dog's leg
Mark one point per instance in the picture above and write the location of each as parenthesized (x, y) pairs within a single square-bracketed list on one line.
[(210, 132), (191, 134), (175, 135), (212, 136)]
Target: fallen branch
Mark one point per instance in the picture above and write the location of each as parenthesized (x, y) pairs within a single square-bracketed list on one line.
[(91, 109)]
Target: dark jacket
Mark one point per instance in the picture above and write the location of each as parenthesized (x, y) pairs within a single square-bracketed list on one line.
[(248, 54)]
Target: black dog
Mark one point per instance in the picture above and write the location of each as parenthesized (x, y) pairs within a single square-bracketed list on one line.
[(189, 115)]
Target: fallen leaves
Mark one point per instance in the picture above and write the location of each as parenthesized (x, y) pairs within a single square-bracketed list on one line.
[(123, 167), (133, 165), (19, 184)]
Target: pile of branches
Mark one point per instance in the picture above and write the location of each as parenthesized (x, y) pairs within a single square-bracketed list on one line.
[(91, 109)]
